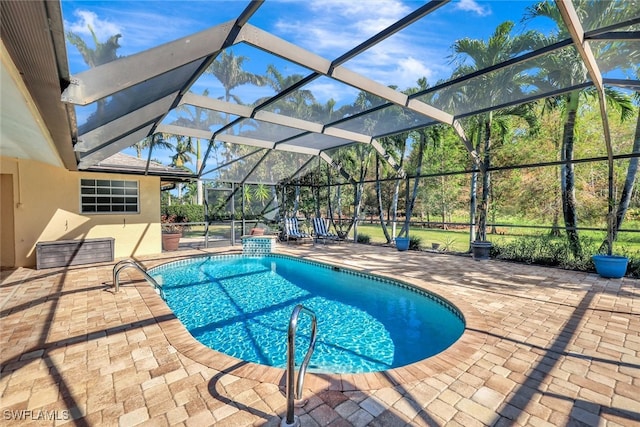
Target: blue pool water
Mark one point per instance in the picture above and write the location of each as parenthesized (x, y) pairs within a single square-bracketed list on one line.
[(241, 306)]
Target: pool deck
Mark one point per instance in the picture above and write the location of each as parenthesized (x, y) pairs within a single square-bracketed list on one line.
[(542, 347)]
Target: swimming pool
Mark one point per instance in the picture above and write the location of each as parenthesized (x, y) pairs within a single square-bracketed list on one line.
[(241, 306)]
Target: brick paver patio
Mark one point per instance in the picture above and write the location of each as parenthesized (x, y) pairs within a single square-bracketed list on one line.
[(542, 347)]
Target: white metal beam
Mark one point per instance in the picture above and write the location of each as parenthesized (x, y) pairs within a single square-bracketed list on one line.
[(113, 148), (279, 119), (185, 131), (243, 140), (348, 135), (570, 17), (266, 41), (282, 48), (209, 103), (356, 80), (123, 125), (104, 80), (571, 20), (297, 149)]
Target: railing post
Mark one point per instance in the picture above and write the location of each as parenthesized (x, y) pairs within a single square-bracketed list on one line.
[(131, 263), (291, 420)]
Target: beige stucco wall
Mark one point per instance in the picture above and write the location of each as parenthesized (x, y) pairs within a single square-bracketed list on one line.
[(47, 207)]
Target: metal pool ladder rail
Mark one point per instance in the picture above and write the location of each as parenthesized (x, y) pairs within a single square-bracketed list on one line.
[(291, 420), (131, 263)]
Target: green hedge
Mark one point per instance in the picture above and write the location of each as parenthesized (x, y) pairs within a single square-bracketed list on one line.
[(185, 213)]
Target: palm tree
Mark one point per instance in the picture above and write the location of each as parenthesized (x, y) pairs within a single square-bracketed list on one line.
[(496, 87), (100, 54), (627, 189), (564, 69), (297, 104), (151, 142), (184, 147), (199, 118), (227, 68)]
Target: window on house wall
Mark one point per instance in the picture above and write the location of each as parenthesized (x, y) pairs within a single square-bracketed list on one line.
[(109, 196)]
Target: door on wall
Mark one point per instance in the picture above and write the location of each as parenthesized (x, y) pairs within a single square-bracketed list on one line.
[(7, 240)]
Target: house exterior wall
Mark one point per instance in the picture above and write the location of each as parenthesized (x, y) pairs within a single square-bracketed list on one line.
[(47, 207)]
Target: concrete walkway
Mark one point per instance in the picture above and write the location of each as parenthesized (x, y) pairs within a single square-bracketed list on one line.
[(542, 347)]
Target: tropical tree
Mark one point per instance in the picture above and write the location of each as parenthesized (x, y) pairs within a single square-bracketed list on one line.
[(395, 146), (184, 148), (493, 88), (627, 189), (100, 54), (298, 103), (227, 68), (199, 118), (564, 69), (158, 140)]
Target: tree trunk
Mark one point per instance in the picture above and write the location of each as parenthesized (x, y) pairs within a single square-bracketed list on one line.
[(473, 199), (364, 160), (486, 181), (396, 195), (416, 182), (569, 202), (379, 197), (627, 190), (473, 204), (444, 202), (199, 187), (296, 200)]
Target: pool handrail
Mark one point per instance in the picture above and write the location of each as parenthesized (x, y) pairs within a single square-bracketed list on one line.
[(131, 263), (291, 419)]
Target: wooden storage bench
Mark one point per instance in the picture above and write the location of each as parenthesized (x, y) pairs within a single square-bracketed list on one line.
[(61, 253)]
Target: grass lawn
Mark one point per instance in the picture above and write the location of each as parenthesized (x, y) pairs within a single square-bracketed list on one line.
[(454, 240), (458, 240)]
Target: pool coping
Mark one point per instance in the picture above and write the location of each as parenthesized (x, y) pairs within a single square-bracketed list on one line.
[(461, 353)]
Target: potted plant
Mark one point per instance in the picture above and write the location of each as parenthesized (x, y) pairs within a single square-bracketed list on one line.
[(481, 247), (481, 250), (171, 232), (608, 265), (402, 243)]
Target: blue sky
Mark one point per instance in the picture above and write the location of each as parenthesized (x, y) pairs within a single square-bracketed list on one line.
[(327, 28)]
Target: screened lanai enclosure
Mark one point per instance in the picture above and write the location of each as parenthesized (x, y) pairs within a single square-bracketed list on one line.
[(490, 117)]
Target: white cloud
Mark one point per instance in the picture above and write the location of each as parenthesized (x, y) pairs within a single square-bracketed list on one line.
[(473, 6), (332, 27), (85, 19), (136, 26), (409, 70), (325, 89)]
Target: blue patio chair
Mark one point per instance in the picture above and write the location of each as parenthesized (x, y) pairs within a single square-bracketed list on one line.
[(291, 230), (321, 230)]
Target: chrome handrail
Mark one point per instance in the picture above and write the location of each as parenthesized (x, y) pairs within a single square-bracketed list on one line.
[(131, 263), (291, 419)]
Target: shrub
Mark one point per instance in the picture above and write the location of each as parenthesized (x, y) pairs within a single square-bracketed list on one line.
[(543, 250), (364, 238), (415, 243), (633, 268), (550, 251), (185, 213)]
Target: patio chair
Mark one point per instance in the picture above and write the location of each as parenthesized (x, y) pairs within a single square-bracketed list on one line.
[(321, 231), (291, 231)]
